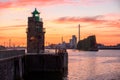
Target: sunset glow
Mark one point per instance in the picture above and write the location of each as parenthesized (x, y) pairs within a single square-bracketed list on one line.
[(61, 19)]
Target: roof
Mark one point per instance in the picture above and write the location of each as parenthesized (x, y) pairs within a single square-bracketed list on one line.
[(35, 11)]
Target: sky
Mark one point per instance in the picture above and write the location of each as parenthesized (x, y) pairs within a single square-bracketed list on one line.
[(61, 19)]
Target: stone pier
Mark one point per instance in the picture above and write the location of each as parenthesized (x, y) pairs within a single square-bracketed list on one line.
[(16, 65), (36, 64), (11, 64)]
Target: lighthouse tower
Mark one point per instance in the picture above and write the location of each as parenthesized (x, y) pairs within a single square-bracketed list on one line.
[(35, 33)]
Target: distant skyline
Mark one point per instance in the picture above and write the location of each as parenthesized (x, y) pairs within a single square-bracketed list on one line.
[(61, 18)]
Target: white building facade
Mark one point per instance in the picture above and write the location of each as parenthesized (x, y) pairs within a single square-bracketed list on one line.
[(73, 42)]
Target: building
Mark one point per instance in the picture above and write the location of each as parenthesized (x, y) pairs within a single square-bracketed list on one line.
[(35, 33), (73, 41), (88, 44)]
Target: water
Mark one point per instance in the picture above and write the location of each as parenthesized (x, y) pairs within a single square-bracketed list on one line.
[(101, 65), (86, 65)]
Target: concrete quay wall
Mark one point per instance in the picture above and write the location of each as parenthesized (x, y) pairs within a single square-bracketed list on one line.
[(7, 54), (10, 64), (36, 64), (7, 69), (16, 65)]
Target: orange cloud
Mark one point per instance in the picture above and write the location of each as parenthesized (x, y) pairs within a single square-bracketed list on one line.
[(95, 20), (12, 27), (5, 4), (14, 3), (78, 19)]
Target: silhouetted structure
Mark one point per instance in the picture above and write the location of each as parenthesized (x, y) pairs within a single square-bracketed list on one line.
[(73, 42), (113, 47), (88, 44), (2, 47), (35, 33), (79, 32)]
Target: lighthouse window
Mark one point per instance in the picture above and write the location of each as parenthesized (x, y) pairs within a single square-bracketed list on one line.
[(32, 38), (36, 14)]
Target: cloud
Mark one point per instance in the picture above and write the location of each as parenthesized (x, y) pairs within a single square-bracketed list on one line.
[(12, 27), (78, 19), (5, 4), (16, 3), (39, 2), (95, 20)]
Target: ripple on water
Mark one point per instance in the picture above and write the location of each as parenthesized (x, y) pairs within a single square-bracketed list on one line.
[(102, 65)]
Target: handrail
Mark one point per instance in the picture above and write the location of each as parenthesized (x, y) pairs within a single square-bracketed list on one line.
[(60, 50)]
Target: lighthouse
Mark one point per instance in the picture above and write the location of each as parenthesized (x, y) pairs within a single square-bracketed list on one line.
[(35, 33)]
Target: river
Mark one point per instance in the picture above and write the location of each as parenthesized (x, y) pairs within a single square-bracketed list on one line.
[(89, 65), (101, 65)]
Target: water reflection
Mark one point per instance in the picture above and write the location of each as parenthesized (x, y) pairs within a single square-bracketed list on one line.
[(91, 71), (102, 65)]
